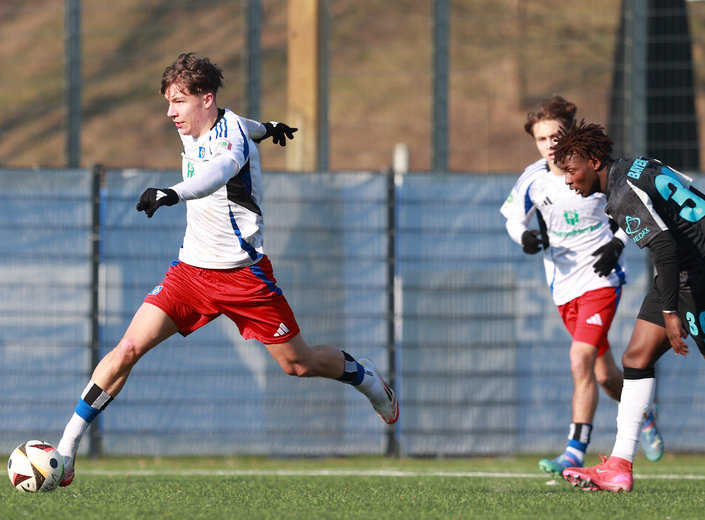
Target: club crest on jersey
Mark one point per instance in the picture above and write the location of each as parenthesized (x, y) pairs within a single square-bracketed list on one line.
[(156, 290), (201, 152), (571, 217)]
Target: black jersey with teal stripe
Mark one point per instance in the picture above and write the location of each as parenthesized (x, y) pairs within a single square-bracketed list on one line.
[(646, 197)]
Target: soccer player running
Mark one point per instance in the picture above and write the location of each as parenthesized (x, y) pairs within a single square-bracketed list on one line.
[(222, 268), (585, 270), (660, 210)]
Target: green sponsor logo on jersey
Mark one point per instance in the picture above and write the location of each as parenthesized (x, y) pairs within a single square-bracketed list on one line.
[(190, 169), (571, 217), (509, 199)]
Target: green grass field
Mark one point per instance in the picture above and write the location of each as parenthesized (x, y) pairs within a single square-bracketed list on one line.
[(355, 488)]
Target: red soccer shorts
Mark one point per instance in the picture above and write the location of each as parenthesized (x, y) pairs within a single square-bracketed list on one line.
[(588, 317), (249, 296)]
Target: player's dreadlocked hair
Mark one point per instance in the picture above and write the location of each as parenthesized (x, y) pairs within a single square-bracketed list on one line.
[(193, 75), (554, 108), (584, 140)]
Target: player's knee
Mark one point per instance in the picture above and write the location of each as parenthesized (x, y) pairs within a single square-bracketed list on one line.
[(126, 354), (580, 368), (634, 359)]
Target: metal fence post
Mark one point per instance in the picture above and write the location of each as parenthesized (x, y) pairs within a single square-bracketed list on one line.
[(72, 88), (95, 438), (395, 178), (441, 66), (252, 59), (392, 448)]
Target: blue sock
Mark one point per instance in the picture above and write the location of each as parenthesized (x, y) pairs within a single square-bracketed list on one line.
[(86, 411), (578, 440)]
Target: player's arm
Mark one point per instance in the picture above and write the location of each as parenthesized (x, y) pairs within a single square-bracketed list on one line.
[(517, 225), (664, 250), (529, 239), (279, 132), (518, 217), (212, 176)]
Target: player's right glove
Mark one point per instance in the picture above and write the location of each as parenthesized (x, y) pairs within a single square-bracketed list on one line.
[(531, 241), (152, 199), (279, 132), (609, 255)]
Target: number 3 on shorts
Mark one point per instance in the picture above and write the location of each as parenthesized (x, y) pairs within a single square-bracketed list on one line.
[(691, 322)]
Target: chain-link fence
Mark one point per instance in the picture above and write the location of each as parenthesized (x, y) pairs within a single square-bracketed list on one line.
[(480, 354)]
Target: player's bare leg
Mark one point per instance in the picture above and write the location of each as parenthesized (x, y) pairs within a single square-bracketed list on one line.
[(585, 387), (608, 375), (298, 359), (585, 398), (648, 343), (149, 327)]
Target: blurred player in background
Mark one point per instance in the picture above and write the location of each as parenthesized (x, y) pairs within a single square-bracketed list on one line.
[(660, 210), (585, 270), (222, 268)]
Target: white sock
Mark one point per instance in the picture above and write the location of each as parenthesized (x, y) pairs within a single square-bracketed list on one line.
[(73, 433), (368, 382), (634, 406), (370, 388)]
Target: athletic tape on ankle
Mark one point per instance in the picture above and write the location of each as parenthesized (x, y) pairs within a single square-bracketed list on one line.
[(95, 397), (580, 432), (353, 373)]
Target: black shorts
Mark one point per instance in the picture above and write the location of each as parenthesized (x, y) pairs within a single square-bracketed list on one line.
[(691, 311)]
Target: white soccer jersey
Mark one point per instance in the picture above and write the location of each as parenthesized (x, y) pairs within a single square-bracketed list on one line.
[(576, 225), (222, 187)]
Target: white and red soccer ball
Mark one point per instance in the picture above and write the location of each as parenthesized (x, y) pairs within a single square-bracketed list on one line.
[(35, 466)]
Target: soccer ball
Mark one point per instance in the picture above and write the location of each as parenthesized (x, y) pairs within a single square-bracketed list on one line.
[(35, 466)]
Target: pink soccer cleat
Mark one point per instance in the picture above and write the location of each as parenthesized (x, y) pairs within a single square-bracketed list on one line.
[(614, 474)]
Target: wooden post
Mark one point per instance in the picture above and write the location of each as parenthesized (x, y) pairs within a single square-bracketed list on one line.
[(303, 83)]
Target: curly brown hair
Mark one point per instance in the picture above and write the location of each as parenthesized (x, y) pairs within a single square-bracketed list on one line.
[(193, 75), (554, 108), (584, 140)]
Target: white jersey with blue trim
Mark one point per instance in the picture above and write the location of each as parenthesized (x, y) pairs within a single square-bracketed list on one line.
[(576, 227), (222, 187)]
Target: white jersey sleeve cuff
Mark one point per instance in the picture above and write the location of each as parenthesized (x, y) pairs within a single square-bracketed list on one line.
[(622, 236), (516, 230)]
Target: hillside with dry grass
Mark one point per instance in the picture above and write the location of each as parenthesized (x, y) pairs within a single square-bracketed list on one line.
[(505, 56)]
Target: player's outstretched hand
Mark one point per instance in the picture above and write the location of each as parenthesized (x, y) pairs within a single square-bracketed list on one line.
[(531, 241), (279, 132), (153, 198), (609, 255)]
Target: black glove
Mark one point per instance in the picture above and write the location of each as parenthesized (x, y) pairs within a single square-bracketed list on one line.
[(609, 255), (153, 198), (531, 241), (279, 132)]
